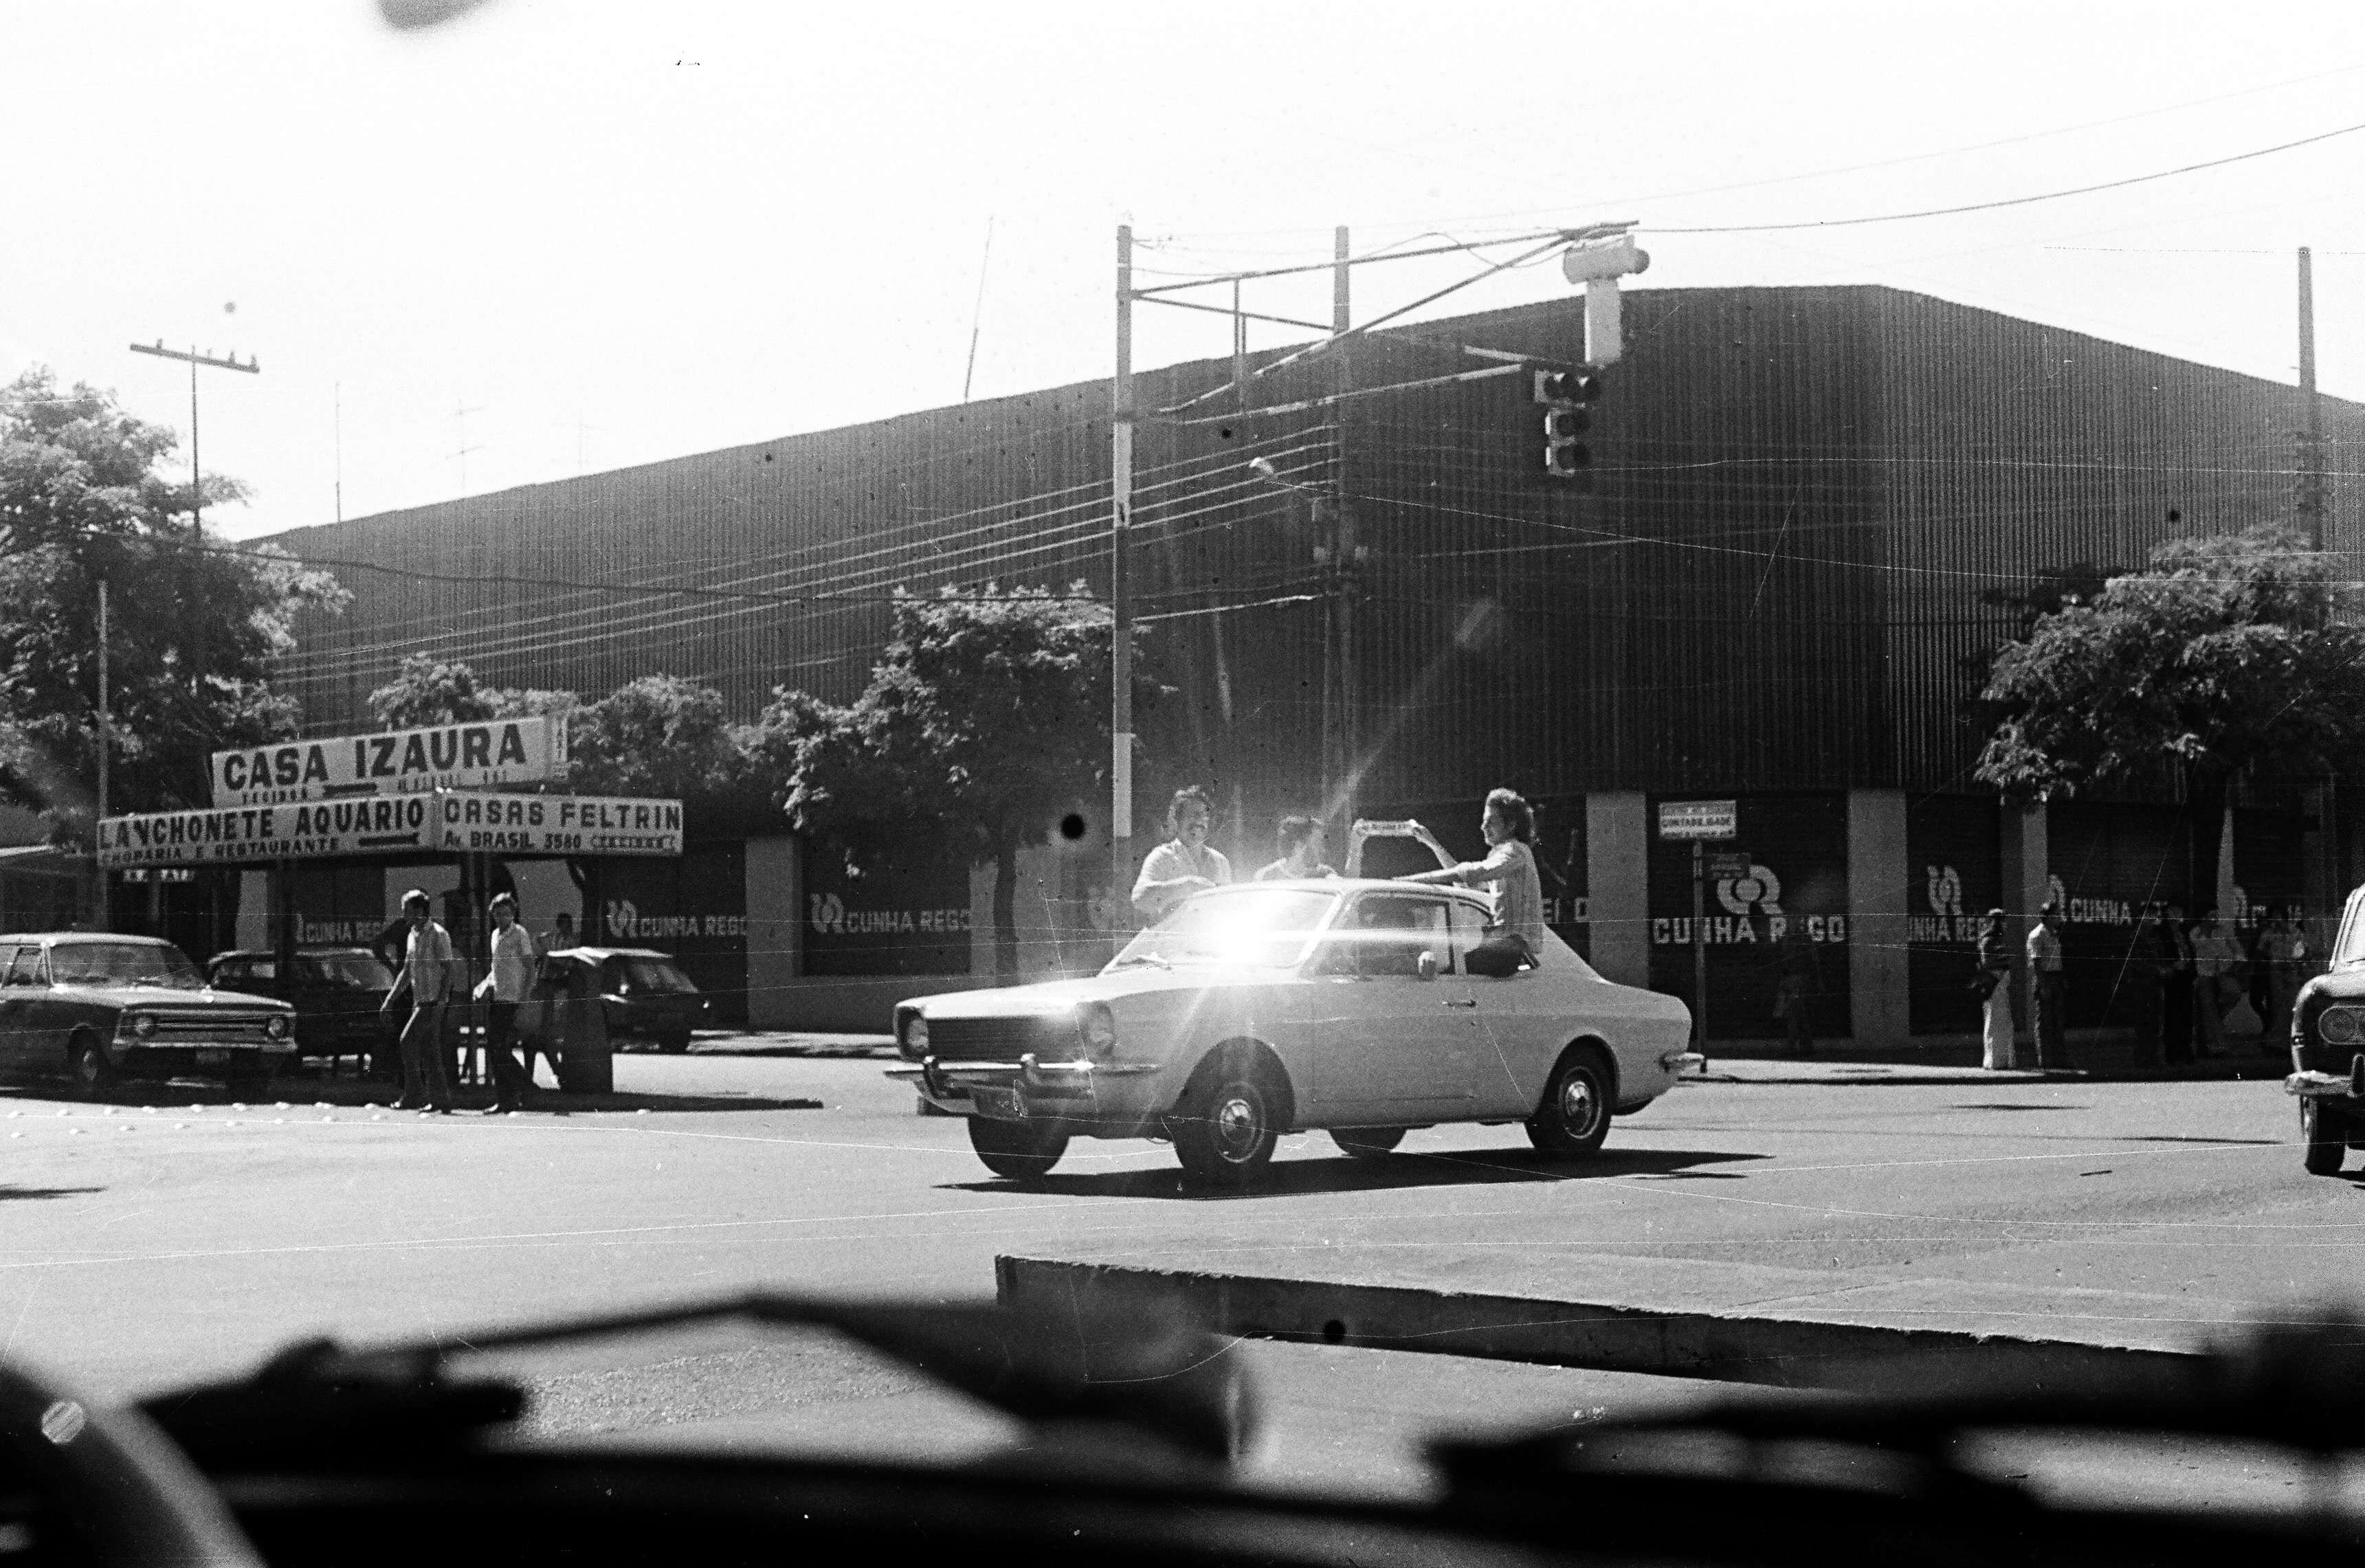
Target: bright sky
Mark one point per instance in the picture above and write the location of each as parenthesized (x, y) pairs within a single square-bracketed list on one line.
[(614, 232)]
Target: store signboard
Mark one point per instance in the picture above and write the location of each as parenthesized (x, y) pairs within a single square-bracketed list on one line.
[(483, 754), (556, 825), (443, 822), (1699, 819)]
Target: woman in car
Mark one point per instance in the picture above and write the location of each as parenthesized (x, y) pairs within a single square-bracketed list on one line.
[(1509, 825)]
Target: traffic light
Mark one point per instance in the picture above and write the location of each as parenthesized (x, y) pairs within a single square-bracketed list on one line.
[(1566, 395)]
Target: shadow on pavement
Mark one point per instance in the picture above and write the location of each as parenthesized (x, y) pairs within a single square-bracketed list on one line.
[(1299, 1178), (351, 1096), (9, 1194)]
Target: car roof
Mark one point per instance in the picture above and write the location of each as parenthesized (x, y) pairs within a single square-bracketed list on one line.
[(609, 953), (273, 952), (1353, 885), (56, 936)]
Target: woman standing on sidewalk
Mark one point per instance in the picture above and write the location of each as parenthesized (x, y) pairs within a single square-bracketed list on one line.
[(1995, 995)]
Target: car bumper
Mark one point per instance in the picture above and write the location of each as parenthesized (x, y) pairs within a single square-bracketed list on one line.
[(1113, 1098), (198, 1059)]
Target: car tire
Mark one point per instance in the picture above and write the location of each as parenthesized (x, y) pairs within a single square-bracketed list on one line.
[(674, 1044), (1574, 1115), (86, 1064), (1015, 1149), (1368, 1143), (1228, 1125), (2324, 1139)]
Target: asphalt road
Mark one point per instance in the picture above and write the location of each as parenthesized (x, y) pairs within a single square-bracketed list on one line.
[(144, 1246)]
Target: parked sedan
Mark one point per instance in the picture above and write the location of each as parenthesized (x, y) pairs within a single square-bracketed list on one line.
[(1364, 1008), (642, 993), (100, 1009), (336, 992)]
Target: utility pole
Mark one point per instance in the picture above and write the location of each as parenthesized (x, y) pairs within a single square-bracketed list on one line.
[(2311, 478), (1121, 417), (1345, 578), (196, 472), (460, 413), (105, 746), (340, 416)]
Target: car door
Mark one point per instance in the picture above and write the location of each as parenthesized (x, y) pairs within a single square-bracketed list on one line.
[(1391, 1045), (16, 998), (39, 1018), (1520, 1034)]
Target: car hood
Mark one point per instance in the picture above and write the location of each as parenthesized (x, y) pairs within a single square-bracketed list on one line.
[(1061, 995), (166, 996)]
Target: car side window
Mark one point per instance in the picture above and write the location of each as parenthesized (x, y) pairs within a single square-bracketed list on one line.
[(8, 975), (1389, 931), (28, 968), (1468, 930)]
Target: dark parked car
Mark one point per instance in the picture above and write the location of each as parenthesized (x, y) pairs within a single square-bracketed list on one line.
[(644, 994), (336, 992), (100, 1009)]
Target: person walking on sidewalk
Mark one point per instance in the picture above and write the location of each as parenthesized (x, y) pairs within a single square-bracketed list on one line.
[(426, 979), (2051, 987), (509, 978), (1993, 984), (2216, 963)]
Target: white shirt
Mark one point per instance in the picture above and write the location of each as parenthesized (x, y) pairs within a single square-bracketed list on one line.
[(427, 959), (1510, 865), (1170, 862), (512, 979)]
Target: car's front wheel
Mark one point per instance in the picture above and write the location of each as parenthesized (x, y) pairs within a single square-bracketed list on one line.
[(1225, 1129), (1015, 1149), (1574, 1115), (86, 1062), (2323, 1138)]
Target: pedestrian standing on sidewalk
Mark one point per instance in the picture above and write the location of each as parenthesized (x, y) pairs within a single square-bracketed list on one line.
[(2051, 987), (2176, 1003), (1184, 863), (425, 981), (1794, 990), (2282, 952), (2217, 963), (1994, 986), (508, 977)]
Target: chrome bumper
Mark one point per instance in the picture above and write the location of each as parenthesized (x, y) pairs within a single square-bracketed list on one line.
[(2323, 1086), (949, 1083)]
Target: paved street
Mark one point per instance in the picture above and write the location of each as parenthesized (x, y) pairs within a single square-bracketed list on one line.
[(146, 1244)]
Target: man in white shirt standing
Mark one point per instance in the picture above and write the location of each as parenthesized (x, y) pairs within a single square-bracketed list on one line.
[(507, 980), (426, 979)]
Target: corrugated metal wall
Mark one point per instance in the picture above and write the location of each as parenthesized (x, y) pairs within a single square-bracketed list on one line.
[(1768, 584)]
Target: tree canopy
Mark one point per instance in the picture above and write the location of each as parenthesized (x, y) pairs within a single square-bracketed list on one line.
[(427, 690), (194, 623), (984, 721)]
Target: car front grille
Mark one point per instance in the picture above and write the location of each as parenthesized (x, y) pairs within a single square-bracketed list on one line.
[(173, 1028), (1003, 1039)]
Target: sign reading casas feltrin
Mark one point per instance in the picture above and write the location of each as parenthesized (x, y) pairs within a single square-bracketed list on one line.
[(391, 825), (557, 825), (400, 762)]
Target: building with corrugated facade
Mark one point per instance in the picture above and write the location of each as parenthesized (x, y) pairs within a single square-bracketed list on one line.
[(1768, 586)]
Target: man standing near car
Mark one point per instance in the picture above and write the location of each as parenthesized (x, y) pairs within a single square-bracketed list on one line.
[(426, 978), (509, 978), (2050, 986)]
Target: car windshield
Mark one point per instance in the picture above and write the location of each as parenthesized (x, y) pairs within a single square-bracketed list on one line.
[(653, 976), (122, 963), (353, 972), (1258, 927)]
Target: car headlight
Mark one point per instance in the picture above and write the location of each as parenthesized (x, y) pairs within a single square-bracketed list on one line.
[(144, 1025), (275, 1026), (2338, 1026), (1096, 1027)]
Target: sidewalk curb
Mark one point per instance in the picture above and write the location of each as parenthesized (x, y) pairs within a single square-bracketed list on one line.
[(1732, 1347)]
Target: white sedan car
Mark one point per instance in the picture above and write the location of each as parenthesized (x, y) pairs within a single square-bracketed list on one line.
[(1363, 1008)]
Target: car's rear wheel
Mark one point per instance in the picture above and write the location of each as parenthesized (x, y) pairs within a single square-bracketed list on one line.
[(1367, 1143), (1226, 1128), (2323, 1138), (1015, 1149), (86, 1062), (1574, 1115)]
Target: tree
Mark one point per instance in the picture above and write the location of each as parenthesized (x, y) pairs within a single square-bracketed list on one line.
[(987, 716), (665, 735), (193, 624), (2220, 659), (427, 690)]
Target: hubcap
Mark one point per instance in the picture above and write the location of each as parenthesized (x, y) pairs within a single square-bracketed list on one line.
[(1577, 1104), (1239, 1124)]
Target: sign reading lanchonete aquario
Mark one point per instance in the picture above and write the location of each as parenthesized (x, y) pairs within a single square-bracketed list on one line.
[(440, 823), (489, 753)]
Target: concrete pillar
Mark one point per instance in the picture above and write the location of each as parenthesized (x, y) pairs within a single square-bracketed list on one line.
[(1618, 884), (1877, 986), (776, 929), (2026, 875)]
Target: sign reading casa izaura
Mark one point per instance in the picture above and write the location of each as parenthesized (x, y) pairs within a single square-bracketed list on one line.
[(400, 762), (394, 824)]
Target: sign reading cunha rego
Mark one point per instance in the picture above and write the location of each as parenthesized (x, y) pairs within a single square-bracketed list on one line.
[(400, 762), (443, 821)]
